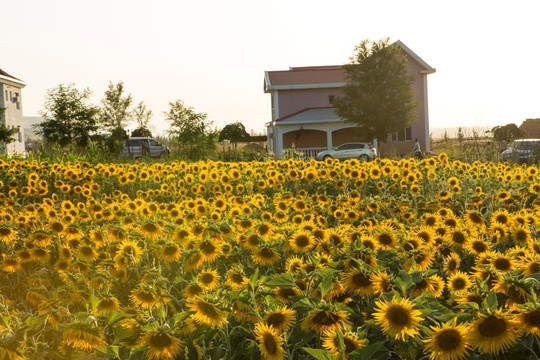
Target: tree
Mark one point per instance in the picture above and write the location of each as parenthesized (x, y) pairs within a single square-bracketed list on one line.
[(6, 134), (234, 132), (68, 117), (379, 96), (142, 117), (190, 130), (115, 108), (506, 133)]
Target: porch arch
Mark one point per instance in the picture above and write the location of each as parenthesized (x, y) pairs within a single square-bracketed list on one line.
[(348, 134), (304, 138)]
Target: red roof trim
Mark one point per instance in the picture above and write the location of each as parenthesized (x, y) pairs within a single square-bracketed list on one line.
[(301, 111), (3, 73)]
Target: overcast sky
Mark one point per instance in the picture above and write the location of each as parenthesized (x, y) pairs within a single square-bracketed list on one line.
[(212, 54)]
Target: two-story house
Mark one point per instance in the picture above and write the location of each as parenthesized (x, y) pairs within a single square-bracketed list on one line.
[(304, 120), (11, 102)]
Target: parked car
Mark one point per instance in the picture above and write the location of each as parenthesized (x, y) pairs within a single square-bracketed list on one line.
[(361, 151), (139, 147), (522, 150)]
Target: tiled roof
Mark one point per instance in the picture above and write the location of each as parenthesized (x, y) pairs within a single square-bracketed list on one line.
[(4, 75), (307, 75), (310, 116)]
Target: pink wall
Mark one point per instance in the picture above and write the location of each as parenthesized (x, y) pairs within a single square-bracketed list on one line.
[(291, 101)]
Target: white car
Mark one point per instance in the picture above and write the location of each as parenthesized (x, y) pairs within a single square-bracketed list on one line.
[(139, 147), (361, 151)]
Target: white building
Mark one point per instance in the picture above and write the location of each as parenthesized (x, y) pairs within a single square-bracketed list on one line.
[(11, 101)]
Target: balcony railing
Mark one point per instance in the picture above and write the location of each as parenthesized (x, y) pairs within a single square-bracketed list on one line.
[(302, 153)]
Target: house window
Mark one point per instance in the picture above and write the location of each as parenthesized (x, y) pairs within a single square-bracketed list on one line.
[(403, 135), (330, 99)]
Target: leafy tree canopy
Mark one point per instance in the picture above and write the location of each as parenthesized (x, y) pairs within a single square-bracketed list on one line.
[(6, 134), (141, 132), (142, 116), (115, 108), (379, 96), (507, 132), (68, 117), (234, 132)]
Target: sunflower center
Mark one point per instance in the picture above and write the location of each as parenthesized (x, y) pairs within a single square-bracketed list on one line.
[(5, 231), (503, 219), (276, 320), (170, 250), (385, 239), (423, 284), (326, 318), (424, 236), (449, 339), (459, 284), (301, 241), (475, 218), (266, 253), (253, 240), (479, 246), (534, 268), (160, 341), (458, 238), (146, 296), (397, 316), (207, 278), (237, 278), (452, 265), (150, 228), (208, 310), (270, 343), (361, 280), (207, 247), (521, 236), (533, 318), (502, 264), (492, 327), (86, 251)]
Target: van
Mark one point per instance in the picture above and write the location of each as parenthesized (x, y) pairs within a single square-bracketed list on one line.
[(522, 150), (139, 147)]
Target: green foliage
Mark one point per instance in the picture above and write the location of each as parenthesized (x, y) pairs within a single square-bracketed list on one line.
[(68, 117), (142, 116), (6, 134), (507, 132), (234, 132), (115, 108), (190, 131), (141, 132), (379, 96)]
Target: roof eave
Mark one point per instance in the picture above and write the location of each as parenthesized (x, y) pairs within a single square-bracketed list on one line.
[(12, 81), (427, 69), (306, 86)]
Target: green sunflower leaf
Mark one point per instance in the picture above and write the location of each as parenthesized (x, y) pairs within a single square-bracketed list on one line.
[(285, 281), (320, 354), (108, 351), (490, 302), (368, 352)]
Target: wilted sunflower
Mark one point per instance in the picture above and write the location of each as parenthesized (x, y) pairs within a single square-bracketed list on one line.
[(10, 264), (324, 318), (352, 342), (80, 336), (397, 318), (270, 344), (108, 304), (281, 319), (493, 333), (206, 312), (448, 342), (161, 344)]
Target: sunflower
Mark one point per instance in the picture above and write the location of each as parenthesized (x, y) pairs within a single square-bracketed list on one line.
[(170, 252), (352, 342), (206, 312), (325, 318), (448, 342), (236, 279), (381, 283), (9, 354), (270, 344), (39, 254), (420, 260), (451, 263), (145, 297), (209, 279), (520, 235), (397, 318), (150, 229), (294, 264), (87, 252), (477, 246), (80, 336), (281, 319), (10, 264), (108, 304), (529, 320), (286, 294), (503, 263), (193, 260), (516, 290), (161, 344), (210, 249), (266, 255), (7, 233), (40, 237), (493, 332), (131, 249), (433, 284), (459, 283), (386, 237), (357, 282), (302, 241)]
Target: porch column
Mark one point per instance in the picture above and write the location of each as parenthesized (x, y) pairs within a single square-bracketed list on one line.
[(279, 142), (329, 139)]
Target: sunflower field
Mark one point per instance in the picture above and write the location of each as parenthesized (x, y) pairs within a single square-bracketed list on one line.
[(389, 259)]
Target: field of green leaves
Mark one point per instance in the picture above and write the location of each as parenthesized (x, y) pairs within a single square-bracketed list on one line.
[(272, 260)]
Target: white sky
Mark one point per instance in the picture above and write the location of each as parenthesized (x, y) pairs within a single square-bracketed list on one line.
[(212, 54)]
